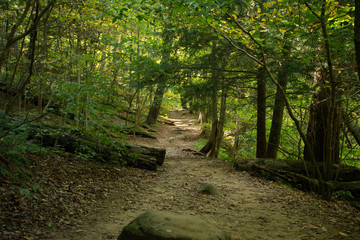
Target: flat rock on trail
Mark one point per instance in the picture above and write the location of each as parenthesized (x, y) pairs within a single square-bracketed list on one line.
[(246, 208)]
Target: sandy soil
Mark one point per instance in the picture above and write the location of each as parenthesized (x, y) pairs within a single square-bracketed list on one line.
[(247, 208)]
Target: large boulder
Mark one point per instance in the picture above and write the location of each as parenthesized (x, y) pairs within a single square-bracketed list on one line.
[(162, 225)]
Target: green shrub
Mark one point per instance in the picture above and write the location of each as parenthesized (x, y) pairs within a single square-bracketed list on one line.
[(14, 145), (200, 144), (224, 156), (347, 195)]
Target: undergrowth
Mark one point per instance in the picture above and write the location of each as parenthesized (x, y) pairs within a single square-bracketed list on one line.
[(19, 138), (13, 148)]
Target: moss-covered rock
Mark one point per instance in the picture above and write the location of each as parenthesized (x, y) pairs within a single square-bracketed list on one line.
[(162, 225)]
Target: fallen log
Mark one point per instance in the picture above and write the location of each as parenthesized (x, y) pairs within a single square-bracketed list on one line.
[(106, 151), (349, 186), (344, 178), (142, 162), (126, 130), (157, 153), (343, 173), (144, 134)]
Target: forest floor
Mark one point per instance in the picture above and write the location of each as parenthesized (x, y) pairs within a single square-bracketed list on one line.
[(89, 200)]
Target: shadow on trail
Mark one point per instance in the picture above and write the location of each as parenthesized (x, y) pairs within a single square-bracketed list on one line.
[(246, 208)]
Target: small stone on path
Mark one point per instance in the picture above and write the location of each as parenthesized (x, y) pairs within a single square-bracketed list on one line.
[(208, 188)]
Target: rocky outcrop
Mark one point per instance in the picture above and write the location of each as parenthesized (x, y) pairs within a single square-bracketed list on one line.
[(162, 225)]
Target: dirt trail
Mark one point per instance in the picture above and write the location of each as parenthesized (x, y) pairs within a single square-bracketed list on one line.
[(248, 208)]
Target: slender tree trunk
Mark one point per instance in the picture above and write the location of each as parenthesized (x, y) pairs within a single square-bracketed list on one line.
[(261, 114), (11, 38), (357, 35), (154, 111), (43, 58), (78, 78), (138, 108), (213, 133), (220, 127), (31, 58), (212, 147), (353, 128), (209, 146), (236, 145), (278, 113), (138, 94), (277, 119), (261, 101), (156, 103)]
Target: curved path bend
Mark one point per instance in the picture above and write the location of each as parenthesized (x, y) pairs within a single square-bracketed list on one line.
[(248, 208)]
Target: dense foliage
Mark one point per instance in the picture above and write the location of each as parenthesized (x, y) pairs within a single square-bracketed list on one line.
[(233, 61)]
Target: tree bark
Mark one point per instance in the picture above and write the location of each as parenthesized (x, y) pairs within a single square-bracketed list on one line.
[(31, 59), (32, 47), (220, 126), (167, 37), (261, 114), (324, 126), (325, 121), (277, 119), (155, 106), (278, 113), (11, 39), (156, 103), (357, 35), (209, 146), (354, 130)]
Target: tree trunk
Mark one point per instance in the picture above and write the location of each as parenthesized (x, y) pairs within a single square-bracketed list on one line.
[(325, 115), (278, 113), (212, 147), (156, 103), (213, 134), (78, 78), (220, 126), (277, 119), (261, 114), (357, 35), (354, 130), (322, 135), (261, 101), (236, 145), (154, 111), (11, 39), (31, 59)]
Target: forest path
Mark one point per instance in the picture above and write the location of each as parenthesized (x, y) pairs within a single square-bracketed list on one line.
[(247, 208)]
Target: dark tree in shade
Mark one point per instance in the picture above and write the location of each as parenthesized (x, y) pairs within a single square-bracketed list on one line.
[(357, 35)]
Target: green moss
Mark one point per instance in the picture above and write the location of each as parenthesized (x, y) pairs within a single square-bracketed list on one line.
[(200, 143)]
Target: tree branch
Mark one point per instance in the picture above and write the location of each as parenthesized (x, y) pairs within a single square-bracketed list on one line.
[(242, 50)]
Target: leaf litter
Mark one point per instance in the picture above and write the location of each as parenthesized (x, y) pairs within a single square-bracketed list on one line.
[(67, 198)]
